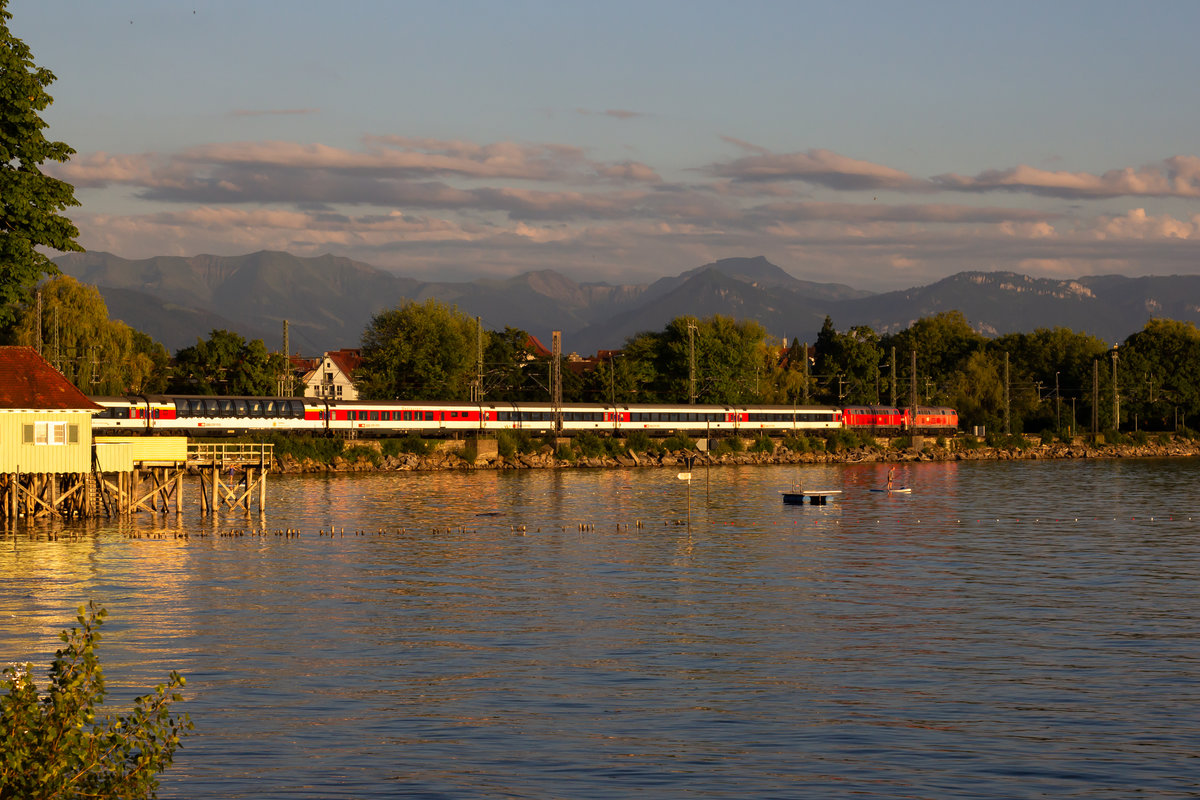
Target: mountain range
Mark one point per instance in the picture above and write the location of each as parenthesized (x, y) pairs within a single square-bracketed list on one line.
[(328, 301)]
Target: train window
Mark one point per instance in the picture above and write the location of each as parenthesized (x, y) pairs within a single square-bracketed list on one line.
[(386, 416), (429, 416), (375, 416), (255, 408), (226, 407)]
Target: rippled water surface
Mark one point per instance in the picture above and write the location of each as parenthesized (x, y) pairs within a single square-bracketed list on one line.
[(1024, 629)]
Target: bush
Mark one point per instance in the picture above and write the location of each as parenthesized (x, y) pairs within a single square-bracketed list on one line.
[(322, 449), (1047, 436), (506, 444), (565, 452), (362, 453), (58, 745), (763, 444), (678, 441), (589, 444), (1140, 437), (797, 444), (468, 453), (842, 440), (412, 444), (638, 441), (968, 443), (732, 444)]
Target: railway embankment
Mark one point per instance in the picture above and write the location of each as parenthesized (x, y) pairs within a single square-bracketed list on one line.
[(370, 456)]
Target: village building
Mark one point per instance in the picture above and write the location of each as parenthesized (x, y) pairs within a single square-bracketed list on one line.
[(333, 376), (45, 436)]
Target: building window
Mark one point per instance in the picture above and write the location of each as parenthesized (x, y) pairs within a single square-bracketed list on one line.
[(50, 433)]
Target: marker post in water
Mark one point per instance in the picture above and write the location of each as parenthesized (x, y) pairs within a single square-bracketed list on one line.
[(687, 476)]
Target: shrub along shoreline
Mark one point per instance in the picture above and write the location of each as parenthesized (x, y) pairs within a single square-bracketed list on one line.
[(515, 450)]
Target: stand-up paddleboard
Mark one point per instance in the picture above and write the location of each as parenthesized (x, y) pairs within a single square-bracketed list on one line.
[(895, 490)]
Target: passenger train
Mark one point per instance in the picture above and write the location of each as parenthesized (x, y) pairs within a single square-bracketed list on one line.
[(214, 415)]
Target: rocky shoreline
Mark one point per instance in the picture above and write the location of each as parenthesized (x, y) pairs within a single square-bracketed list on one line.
[(368, 457)]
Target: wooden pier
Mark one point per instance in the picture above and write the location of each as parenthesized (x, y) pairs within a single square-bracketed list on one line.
[(147, 473), (231, 474)]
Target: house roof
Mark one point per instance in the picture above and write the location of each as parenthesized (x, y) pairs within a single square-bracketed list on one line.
[(346, 359), (27, 381), (536, 347)]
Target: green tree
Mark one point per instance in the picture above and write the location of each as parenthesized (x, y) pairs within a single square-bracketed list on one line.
[(98, 355), (1158, 374), (419, 351), (848, 364), (30, 201), (943, 344), (1041, 363), (227, 364), (511, 369), (56, 744)]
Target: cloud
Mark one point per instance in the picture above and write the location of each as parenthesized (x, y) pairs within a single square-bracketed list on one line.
[(1178, 176), (821, 167), (1136, 224), (449, 206)]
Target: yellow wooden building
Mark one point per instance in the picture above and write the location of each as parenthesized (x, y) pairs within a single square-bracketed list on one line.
[(45, 437)]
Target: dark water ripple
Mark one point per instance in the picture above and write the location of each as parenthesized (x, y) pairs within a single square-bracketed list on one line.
[(1009, 630)]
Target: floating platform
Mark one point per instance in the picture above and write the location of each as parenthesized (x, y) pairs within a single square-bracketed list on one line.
[(817, 497)]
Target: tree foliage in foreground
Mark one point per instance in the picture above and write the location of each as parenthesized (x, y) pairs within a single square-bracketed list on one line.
[(57, 744), (30, 201)]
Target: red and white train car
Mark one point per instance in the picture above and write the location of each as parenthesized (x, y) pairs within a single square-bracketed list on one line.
[(209, 414)]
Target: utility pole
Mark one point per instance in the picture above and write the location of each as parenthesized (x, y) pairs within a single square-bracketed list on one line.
[(1007, 407), (1116, 398), (285, 380), (913, 387), (893, 376), (691, 362), (556, 379), (806, 373), (1057, 405), (38, 326), (477, 389)]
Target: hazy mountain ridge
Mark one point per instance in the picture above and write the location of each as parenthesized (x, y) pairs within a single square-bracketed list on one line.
[(329, 300)]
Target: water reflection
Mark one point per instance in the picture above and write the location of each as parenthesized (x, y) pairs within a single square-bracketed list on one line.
[(1006, 630)]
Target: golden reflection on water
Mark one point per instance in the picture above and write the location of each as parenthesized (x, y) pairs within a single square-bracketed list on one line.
[(369, 630)]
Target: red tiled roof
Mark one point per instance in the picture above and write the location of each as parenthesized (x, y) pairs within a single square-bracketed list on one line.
[(347, 360), (536, 348), (27, 381)]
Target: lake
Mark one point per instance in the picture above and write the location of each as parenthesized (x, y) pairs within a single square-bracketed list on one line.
[(1009, 629)]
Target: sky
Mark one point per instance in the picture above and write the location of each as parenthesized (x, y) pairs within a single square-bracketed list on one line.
[(880, 145)]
